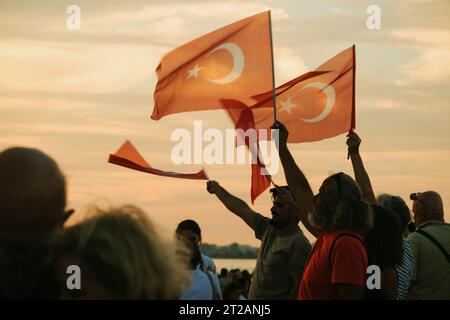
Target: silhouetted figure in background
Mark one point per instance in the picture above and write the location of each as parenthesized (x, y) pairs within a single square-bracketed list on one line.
[(384, 245), (431, 246), (223, 277), (189, 232), (283, 251), (404, 270), (232, 291), (32, 204), (190, 229)]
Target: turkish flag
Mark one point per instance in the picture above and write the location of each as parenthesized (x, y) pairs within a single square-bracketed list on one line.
[(242, 117), (315, 106), (233, 62), (127, 156)]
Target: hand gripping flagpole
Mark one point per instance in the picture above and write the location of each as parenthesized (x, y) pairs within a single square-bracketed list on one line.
[(274, 96)]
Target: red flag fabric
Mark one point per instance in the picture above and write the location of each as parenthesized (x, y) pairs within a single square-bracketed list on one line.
[(242, 117), (316, 106), (232, 62), (127, 156)]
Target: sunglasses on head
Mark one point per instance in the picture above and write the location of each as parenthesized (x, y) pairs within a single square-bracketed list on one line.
[(415, 197)]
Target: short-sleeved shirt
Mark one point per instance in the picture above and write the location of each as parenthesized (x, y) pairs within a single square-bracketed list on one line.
[(348, 265), (432, 273), (405, 270), (208, 264), (280, 261)]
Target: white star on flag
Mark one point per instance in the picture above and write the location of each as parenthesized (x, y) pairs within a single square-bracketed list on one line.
[(287, 105), (194, 71)]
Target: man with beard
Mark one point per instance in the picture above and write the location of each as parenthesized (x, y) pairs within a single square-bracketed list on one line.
[(284, 249), (339, 218)]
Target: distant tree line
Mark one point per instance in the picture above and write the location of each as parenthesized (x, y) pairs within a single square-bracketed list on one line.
[(232, 251)]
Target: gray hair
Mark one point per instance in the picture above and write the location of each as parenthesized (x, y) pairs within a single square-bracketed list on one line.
[(351, 212), (130, 258), (398, 206)]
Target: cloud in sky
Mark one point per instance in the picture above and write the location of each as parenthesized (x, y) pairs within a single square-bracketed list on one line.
[(431, 65)]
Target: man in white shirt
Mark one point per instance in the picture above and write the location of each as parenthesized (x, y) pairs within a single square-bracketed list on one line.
[(190, 230)]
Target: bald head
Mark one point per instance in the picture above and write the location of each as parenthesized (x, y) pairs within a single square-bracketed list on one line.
[(32, 192), (427, 206), (433, 200)]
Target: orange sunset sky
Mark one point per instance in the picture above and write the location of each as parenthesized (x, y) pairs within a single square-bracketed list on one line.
[(78, 94)]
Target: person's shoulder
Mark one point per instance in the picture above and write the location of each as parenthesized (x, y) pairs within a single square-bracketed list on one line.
[(346, 240), (436, 227), (197, 273), (266, 226), (301, 240), (413, 237), (201, 278), (343, 236), (259, 218), (207, 259)]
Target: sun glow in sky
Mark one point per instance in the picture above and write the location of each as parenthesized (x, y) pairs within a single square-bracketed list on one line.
[(78, 94)]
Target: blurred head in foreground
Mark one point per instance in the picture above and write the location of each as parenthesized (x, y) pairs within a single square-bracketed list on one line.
[(32, 203), (120, 256)]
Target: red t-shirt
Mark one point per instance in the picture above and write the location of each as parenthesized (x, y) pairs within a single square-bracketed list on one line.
[(348, 265)]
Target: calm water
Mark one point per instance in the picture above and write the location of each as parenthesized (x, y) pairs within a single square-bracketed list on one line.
[(242, 264)]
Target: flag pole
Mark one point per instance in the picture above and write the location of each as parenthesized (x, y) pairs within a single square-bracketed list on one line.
[(353, 121), (273, 73)]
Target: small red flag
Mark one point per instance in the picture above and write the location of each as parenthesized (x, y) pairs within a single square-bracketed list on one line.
[(127, 156), (242, 117), (259, 182)]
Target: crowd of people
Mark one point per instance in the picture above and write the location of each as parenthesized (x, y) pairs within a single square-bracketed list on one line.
[(122, 256)]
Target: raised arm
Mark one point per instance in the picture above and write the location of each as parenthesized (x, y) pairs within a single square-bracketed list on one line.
[(232, 203), (361, 176), (295, 178)]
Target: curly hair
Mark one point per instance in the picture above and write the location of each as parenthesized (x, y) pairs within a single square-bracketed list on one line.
[(351, 212)]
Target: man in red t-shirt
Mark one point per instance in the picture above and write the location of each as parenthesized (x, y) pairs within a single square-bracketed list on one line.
[(338, 217)]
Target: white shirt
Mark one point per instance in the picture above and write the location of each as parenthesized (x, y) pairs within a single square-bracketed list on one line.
[(208, 263), (200, 288)]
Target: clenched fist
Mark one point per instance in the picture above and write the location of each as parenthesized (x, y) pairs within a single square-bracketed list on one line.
[(212, 186), (353, 142)]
